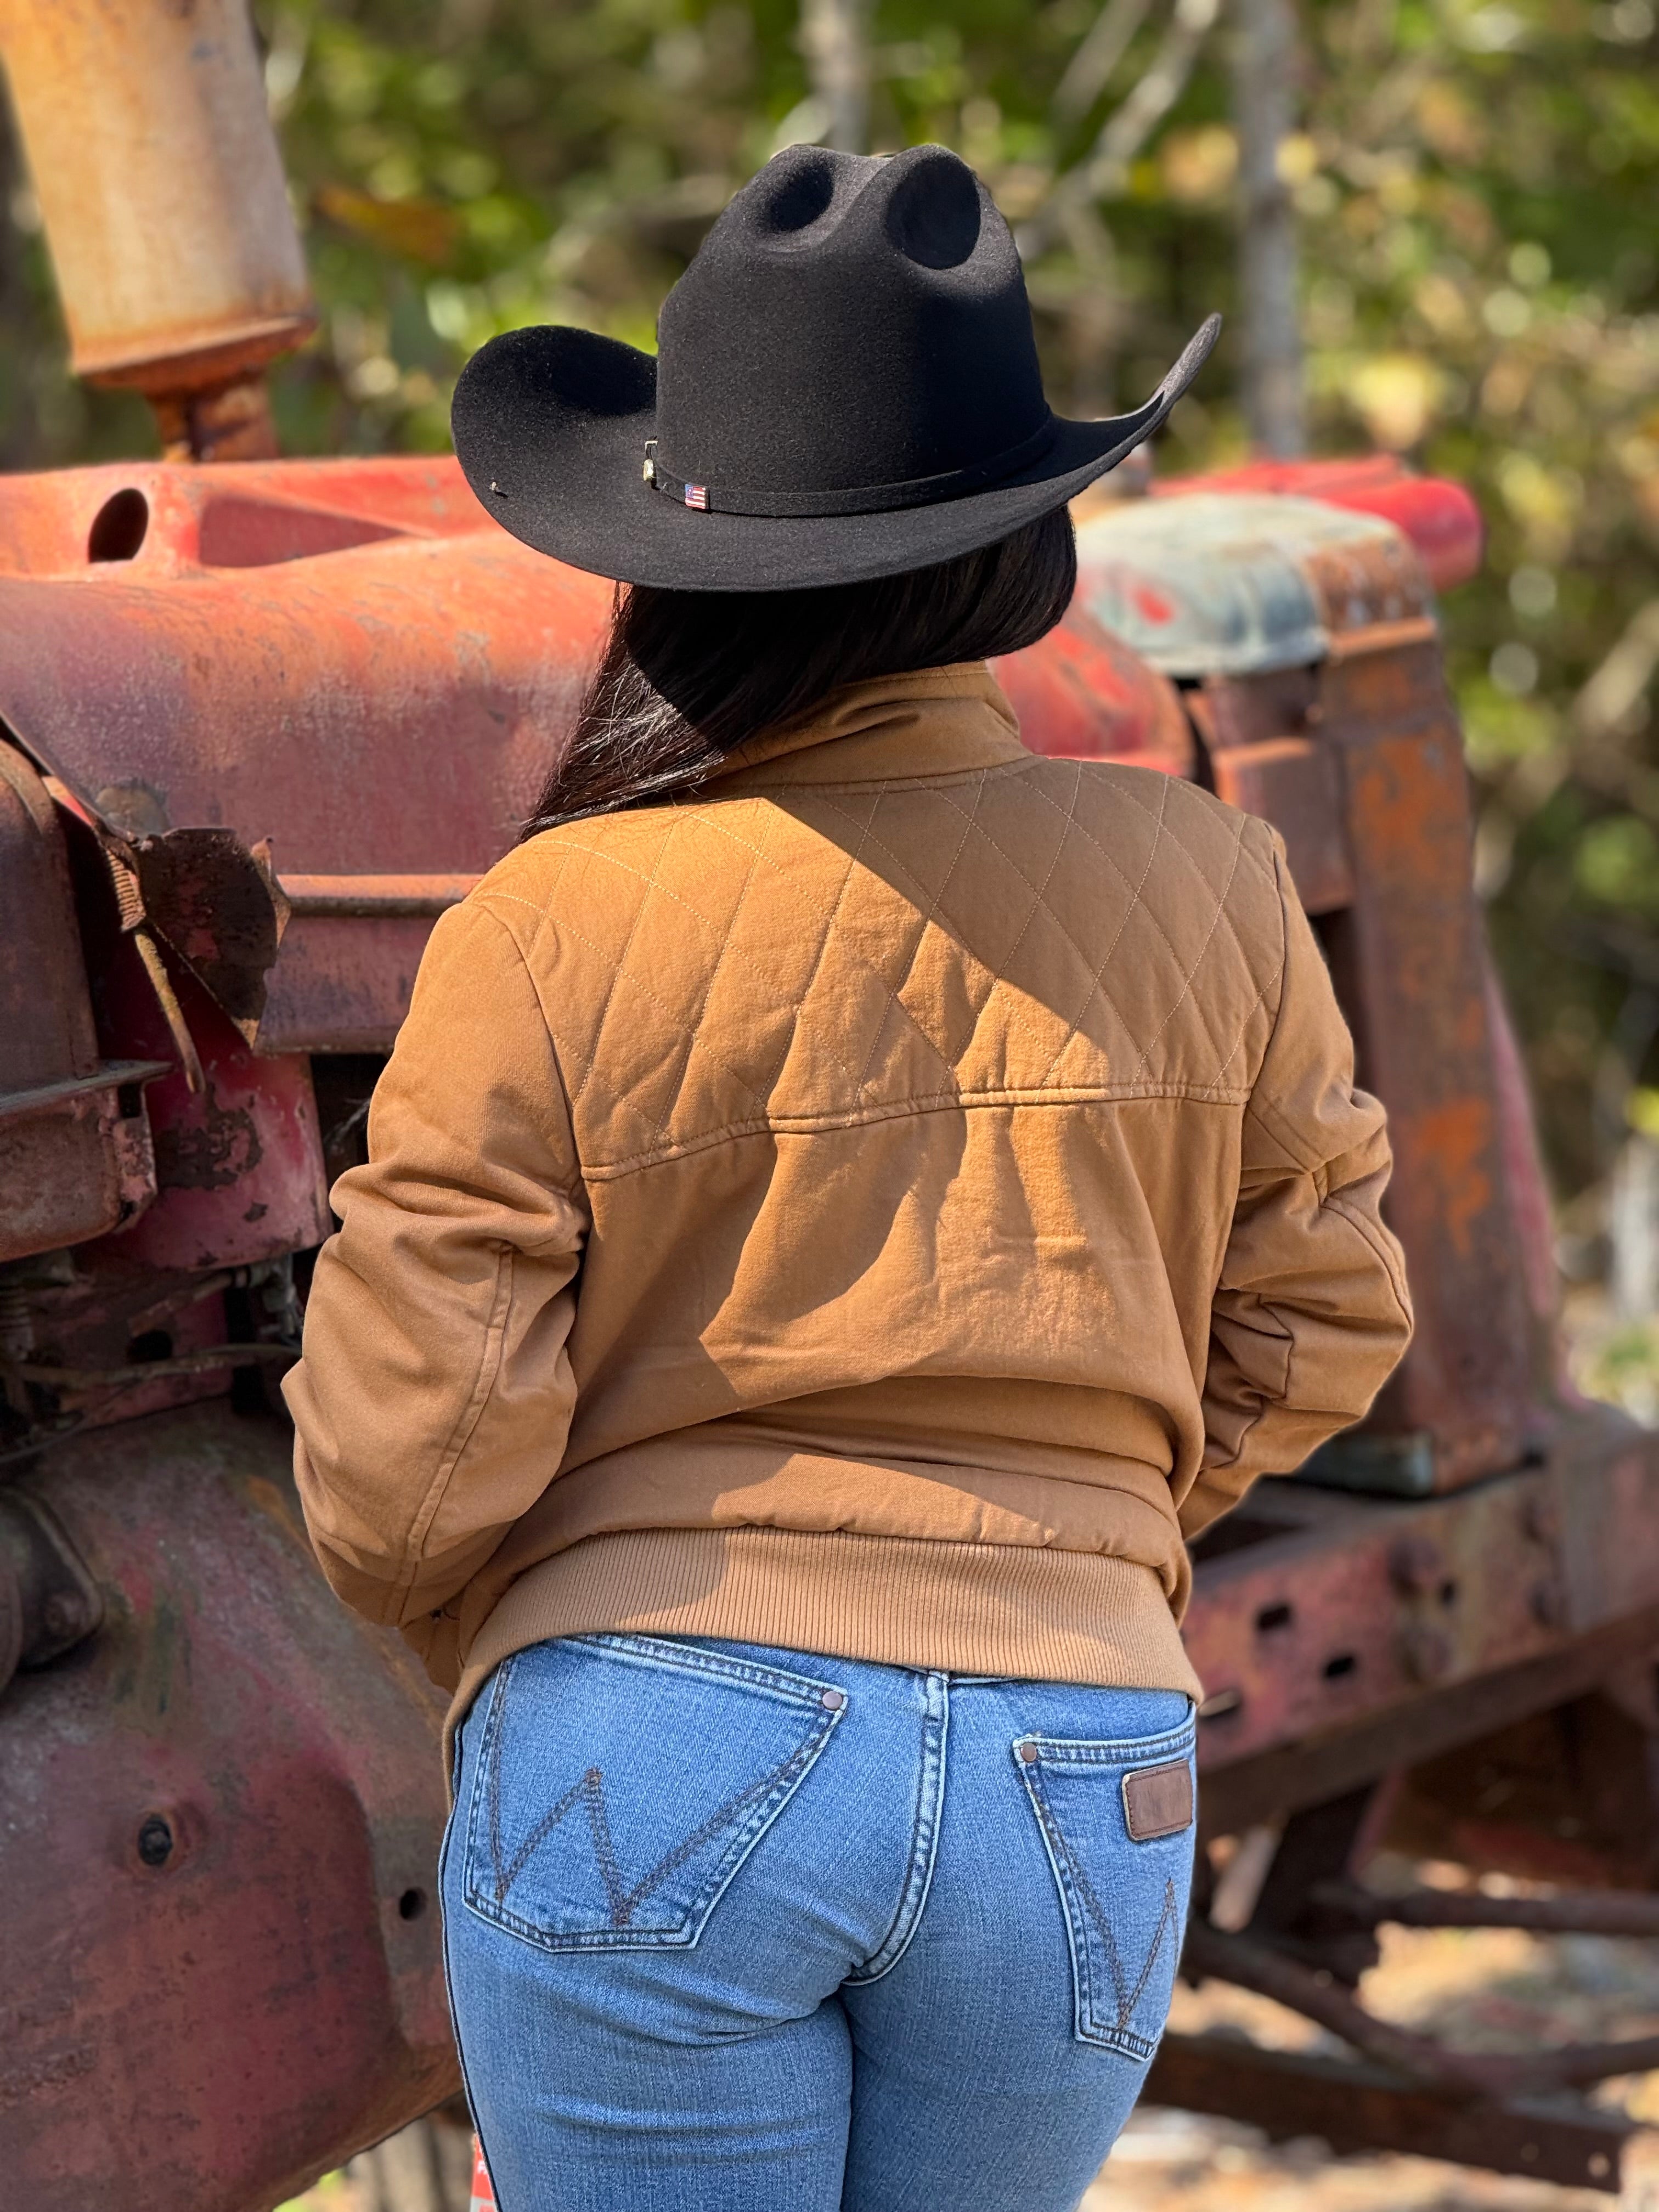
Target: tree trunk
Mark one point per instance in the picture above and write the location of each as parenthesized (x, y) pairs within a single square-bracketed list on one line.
[(835, 37), (1264, 66)]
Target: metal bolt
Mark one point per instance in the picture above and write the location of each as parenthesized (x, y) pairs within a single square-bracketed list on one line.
[(1027, 1754), (155, 1841), (833, 1700), (1416, 1564), (60, 1616)]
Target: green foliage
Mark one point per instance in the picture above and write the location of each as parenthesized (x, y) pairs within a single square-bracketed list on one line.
[(1476, 181)]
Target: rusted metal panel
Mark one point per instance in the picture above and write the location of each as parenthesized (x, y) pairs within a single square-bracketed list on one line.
[(1218, 584), (391, 705), (1316, 1613), (1410, 961), (239, 1164), (220, 1955), (74, 1142), (1362, 2106), (76, 1158), (1291, 782), (1440, 519), (45, 1013), (1081, 694)]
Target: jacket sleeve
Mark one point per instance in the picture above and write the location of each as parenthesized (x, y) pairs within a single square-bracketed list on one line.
[(1311, 1314), (434, 1400)]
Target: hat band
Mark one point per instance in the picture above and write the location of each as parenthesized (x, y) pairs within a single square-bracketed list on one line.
[(855, 499)]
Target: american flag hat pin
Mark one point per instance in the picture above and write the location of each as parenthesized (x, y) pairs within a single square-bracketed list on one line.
[(697, 495)]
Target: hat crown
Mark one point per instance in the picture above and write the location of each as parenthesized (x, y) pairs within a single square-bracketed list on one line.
[(851, 321)]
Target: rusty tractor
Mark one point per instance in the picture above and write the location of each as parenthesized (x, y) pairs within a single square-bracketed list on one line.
[(261, 721)]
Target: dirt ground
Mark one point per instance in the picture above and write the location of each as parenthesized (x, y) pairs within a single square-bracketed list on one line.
[(1489, 1990)]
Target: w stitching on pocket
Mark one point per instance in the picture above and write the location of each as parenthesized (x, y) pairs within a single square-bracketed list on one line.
[(751, 1810), (1071, 1875), (590, 1791)]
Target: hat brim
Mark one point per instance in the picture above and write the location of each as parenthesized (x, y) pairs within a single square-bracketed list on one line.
[(550, 427)]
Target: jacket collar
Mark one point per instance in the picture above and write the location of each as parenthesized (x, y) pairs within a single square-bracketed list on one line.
[(934, 721)]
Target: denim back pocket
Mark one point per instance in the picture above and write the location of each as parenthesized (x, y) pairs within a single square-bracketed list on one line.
[(1117, 1823), (621, 1782)]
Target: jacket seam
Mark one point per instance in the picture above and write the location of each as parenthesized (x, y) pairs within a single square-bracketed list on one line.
[(1337, 1203), (806, 1125), (575, 1191), (1266, 1112), (466, 1422), (941, 779), (1267, 1405)]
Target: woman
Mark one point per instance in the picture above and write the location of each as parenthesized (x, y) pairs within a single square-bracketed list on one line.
[(849, 1198)]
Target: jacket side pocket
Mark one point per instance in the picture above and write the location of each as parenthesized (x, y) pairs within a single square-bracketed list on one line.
[(621, 1782), (1117, 1824)]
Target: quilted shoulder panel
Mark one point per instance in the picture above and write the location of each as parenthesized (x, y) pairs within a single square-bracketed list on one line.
[(834, 952)]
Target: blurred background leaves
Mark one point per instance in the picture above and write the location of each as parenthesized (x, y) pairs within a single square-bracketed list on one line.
[(1474, 184)]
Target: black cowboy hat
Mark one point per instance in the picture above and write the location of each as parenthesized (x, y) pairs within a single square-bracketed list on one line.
[(846, 386)]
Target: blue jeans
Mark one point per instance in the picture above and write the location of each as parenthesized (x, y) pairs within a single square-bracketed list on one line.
[(736, 1929)]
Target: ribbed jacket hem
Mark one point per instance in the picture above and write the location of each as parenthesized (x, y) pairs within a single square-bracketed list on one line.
[(1032, 1612)]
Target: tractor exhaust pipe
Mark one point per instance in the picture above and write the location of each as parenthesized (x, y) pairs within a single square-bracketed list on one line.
[(164, 205)]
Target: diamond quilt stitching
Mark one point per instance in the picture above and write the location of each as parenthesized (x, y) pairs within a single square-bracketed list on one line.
[(1125, 791), (1209, 937), (849, 1030), (725, 830), (1097, 987), (1038, 901), (1164, 832)]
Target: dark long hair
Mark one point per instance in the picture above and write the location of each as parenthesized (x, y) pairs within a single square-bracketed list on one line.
[(687, 676)]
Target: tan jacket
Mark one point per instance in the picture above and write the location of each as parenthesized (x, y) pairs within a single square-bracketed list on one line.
[(877, 1205)]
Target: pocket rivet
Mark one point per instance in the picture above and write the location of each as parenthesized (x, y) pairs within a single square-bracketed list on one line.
[(833, 1700), (1027, 1752)]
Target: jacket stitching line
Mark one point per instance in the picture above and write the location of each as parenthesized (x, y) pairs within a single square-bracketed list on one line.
[(1337, 1203), (1016, 1020), (947, 1102), (1096, 985), (822, 920), (1038, 900), (489, 1361), (658, 1127), (827, 922), (1209, 940), (692, 1027), (572, 1192), (565, 854), (998, 974), (616, 973), (1138, 903), (864, 967), (1268, 868), (801, 997), (1243, 1026), (894, 1004)]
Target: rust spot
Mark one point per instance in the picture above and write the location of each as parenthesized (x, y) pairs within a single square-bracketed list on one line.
[(1449, 1146), (210, 1152)]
